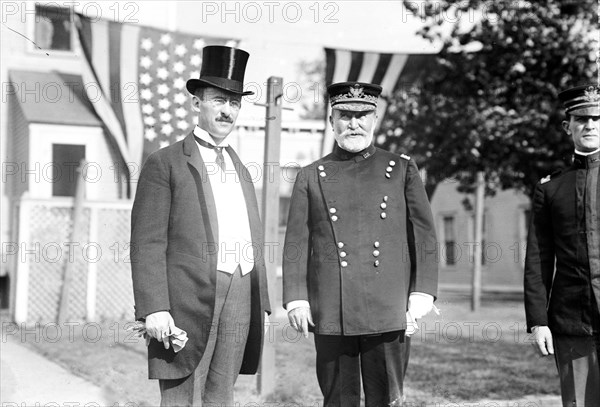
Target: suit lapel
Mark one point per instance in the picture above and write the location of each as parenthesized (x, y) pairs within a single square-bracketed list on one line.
[(205, 192)]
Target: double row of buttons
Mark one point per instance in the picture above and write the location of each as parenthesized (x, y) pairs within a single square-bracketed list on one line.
[(343, 254)]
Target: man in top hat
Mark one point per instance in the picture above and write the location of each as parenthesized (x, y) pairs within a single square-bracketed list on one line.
[(196, 243), (360, 250), (562, 265)]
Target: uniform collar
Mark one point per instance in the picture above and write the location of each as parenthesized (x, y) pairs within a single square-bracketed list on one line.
[(586, 161), (347, 155)]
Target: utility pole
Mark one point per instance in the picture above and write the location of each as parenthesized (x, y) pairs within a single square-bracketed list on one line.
[(76, 236), (478, 254), (270, 215)]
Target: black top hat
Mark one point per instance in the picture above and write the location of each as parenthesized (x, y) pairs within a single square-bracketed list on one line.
[(581, 100), (223, 68), (356, 96)]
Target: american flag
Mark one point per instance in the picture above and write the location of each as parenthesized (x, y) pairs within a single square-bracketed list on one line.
[(141, 74), (391, 71)]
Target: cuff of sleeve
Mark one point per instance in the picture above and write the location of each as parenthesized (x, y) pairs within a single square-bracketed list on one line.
[(420, 294), (296, 304)]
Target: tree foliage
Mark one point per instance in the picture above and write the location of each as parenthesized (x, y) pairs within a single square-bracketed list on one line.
[(489, 102)]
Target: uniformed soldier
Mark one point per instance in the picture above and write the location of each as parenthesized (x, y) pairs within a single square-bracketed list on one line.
[(360, 250), (562, 266)]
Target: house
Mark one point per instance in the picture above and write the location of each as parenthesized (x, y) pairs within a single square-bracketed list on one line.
[(505, 225)]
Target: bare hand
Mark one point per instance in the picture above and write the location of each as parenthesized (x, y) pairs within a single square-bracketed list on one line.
[(158, 326), (542, 340), (300, 318)]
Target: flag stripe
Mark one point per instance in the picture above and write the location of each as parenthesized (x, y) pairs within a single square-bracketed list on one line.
[(99, 61), (130, 92), (392, 75), (370, 62), (382, 67), (98, 98), (114, 57), (342, 66), (355, 66), (330, 64)]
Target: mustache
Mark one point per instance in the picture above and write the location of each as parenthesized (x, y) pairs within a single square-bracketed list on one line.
[(224, 119), (348, 133)]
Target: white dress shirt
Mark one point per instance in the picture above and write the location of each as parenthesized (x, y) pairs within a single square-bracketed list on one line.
[(235, 240)]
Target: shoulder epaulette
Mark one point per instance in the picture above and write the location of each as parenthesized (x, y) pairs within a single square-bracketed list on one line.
[(553, 175), (406, 157)]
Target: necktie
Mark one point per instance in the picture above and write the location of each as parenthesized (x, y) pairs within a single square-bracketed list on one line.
[(219, 150)]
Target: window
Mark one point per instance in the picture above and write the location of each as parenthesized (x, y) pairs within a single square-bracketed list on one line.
[(53, 28), (65, 160), (449, 240)]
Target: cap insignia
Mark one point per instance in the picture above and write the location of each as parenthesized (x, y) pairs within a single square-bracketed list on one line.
[(591, 94), (355, 92)]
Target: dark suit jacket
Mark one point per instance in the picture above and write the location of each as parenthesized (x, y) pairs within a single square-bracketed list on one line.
[(562, 264), (354, 265), (174, 257)]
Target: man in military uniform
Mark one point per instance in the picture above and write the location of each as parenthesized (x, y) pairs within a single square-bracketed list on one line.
[(360, 250), (562, 265), (196, 238)]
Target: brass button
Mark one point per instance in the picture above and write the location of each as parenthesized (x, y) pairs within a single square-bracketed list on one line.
[(322, 173), (376, 263), (392, 163), (383, 205), (321, 168), (385, 198), (340, 245), (332, 210), (389, 169), (383, 215), (387, 175), (342, 254), (334, 218), (376, 253), (376, 244), (344, 264)]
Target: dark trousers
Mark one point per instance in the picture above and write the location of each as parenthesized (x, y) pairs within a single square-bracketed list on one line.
[(212, 382), (578, 368), (380, 359)]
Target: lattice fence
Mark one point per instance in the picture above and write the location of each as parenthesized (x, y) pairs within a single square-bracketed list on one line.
[(101, 286)]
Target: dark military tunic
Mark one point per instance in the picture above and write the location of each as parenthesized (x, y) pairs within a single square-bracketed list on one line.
[(360, 237), (562, 266)]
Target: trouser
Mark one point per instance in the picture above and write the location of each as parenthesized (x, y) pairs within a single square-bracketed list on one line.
[(212, 382), (578, 369), (380, 359)]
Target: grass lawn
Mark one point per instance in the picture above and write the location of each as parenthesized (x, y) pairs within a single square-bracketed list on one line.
[(459, 356)]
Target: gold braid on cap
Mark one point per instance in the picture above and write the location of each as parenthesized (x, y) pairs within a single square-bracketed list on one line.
[(356, 93)]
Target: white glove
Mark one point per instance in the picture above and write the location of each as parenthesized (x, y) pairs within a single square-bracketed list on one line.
[(411, 325), (420, 304)]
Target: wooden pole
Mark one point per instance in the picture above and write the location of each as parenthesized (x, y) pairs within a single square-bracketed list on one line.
[(477, 256), (76, 236), (270, 214)]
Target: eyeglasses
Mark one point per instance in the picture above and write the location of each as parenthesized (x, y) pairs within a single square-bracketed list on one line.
[(219, 102)]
